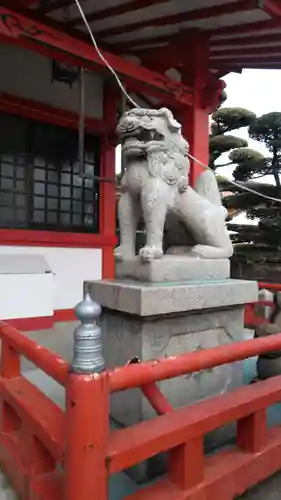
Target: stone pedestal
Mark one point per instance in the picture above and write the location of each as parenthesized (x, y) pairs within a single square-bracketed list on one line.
[(173, 268), (152, 320)]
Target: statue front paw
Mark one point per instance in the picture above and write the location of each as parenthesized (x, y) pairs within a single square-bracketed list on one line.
[(147, 253), (122, 253)]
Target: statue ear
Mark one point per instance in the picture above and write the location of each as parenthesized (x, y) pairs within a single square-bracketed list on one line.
[(168, 115)]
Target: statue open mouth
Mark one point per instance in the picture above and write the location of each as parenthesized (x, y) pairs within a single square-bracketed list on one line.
[(139, 140)]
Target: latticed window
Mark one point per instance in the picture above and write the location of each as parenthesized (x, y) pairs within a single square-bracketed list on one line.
[(40, 183)]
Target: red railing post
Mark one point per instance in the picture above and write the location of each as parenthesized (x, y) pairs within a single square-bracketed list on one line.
[(33, 457), (10, 368), (10, 360), (186, 464), (87, 434), (252, 432), (156, 398), (87, 411), (36, 460)]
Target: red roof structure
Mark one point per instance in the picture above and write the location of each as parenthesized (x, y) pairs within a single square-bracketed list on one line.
[(242, 33)]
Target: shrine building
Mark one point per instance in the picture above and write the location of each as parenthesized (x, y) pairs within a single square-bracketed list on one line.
[(59, 106)]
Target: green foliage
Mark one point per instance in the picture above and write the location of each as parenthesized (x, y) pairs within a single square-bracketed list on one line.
[(267, 130), (224, 120), (227, 119), (244, 154), (251, 165), (262, 212), (253, 169), (223, 143), (241, 201), (223, 96)]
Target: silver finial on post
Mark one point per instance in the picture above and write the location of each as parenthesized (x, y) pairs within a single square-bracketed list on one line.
[(88, 348)]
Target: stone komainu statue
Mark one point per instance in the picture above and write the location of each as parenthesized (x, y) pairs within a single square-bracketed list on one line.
[(155, 187)]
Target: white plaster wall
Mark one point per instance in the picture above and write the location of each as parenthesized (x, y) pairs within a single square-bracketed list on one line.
[(28, 75), (33, 295), (20, 297)]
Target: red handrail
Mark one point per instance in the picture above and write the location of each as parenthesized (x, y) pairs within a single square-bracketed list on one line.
[(43, 358), (144, 373), (270, 286)]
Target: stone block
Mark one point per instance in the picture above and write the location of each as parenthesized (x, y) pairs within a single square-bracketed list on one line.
[(173, 268), (150, 299)]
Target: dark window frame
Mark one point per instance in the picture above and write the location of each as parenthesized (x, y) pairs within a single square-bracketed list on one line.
[(58, 155)]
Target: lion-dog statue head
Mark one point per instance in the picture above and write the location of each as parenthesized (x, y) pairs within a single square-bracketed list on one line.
[(155, 137)]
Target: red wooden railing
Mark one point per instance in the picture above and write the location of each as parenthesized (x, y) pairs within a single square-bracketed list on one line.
[(51, 454)]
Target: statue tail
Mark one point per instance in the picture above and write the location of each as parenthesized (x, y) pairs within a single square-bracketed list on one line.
[(207, 186), (210, 252)]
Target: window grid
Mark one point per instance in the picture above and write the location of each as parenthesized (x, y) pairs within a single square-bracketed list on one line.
[(39, 190)]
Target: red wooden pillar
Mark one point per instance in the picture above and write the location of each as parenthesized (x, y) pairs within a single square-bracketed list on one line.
[(87, 434), (107, 189), (195, 120)]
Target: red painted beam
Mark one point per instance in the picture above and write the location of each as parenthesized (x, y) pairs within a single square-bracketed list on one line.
[(48, 114), (193, 15), (117, 10), (19, 26), (272, 7)]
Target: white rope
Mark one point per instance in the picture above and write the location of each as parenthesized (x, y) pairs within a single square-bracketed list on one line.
[(129, 98), (237, 184), (101, 56)]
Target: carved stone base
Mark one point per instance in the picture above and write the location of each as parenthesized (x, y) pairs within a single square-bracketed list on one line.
[(153, 321), (173, 268)]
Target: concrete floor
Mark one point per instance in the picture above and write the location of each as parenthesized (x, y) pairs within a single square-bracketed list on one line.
[(60, 341), (268, 490)]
